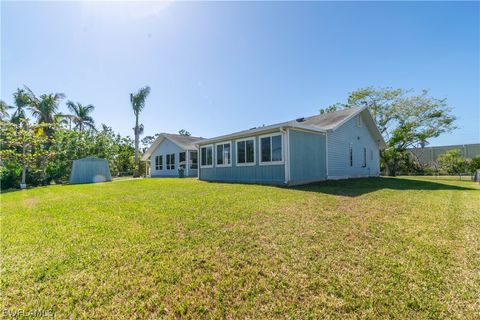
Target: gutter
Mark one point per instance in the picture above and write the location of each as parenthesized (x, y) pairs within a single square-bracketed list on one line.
[(257, 131)]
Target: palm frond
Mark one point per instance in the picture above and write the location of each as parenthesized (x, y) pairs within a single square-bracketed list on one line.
[(138, 100)]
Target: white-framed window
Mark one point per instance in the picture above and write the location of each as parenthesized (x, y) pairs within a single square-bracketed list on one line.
[(246, 152), (193, 160), (350, 154), (364, 157), (223, 154), (271, 149), (206, 156), (159, 163), (182, 160), (171, 161)]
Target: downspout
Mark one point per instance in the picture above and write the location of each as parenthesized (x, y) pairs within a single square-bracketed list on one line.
[(199, 161), (326, 153), (287, 154)]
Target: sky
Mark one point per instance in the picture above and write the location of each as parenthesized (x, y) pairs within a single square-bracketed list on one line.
[(219, 67)]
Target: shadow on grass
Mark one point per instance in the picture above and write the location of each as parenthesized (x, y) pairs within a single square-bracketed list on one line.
[(358, 187)]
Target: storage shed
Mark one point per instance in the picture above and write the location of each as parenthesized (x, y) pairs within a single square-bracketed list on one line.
[(90, 170)]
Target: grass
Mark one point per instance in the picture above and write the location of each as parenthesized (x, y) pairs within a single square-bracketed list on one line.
[(181, 248)]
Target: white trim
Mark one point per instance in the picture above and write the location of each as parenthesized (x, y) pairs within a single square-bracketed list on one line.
[(155, 161), (198, 163), (189, 159), (326, 154), (164, 136), (246, 164), (174, 164), (261, 130), (286, 143), (270, 163), (187, 164), (231, 153), (200, 156)]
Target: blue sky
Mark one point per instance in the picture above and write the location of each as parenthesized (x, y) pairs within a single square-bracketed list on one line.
[(218, 67)]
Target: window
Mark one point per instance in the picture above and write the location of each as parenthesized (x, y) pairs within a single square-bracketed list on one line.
[(182, 161), (171, 161), (159, 163), (193, 160), (206, 156), (359, 121), (246, 152), (364, 157), (271, 149), (351, 156), (224, 154), (371, 154)]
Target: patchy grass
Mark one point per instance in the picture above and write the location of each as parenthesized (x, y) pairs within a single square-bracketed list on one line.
[(181, 248)]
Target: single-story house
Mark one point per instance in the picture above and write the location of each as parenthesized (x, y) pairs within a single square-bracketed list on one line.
[(334, 145), (169, 152)]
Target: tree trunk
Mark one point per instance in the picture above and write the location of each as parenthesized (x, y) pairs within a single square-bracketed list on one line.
[(136, 170), (23, 184)]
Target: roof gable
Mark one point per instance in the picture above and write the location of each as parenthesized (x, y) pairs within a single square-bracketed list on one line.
[(183, 142)]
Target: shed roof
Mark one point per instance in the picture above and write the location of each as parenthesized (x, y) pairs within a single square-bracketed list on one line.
[(90, 158), (183, 142)]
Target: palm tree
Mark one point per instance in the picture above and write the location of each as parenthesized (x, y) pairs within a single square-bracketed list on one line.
[(4, 110), (21, 102), (45, 107), (81, 116), (64, 120), (138, 103)]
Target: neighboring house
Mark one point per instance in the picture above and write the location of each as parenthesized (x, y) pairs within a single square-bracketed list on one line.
[(169, 152), (335, 145), (429, 155)]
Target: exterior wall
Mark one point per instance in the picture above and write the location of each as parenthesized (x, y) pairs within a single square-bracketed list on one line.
[(338, 150), (307, 157), (167, 147), (263, 174)]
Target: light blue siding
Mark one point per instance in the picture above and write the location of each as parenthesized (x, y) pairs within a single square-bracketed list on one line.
[(90, 170), (358, 137), (307, 157), (168, 147), (264, 174)]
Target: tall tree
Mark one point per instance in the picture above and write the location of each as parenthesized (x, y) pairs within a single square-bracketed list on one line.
[(45, 107), (20, 99), (81, 115), (24, 146), (148, 140), (4, 107), (138, 103)]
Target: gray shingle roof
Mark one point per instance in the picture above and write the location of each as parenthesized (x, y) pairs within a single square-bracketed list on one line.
[(331, 120), (185, 142), (321, 123)]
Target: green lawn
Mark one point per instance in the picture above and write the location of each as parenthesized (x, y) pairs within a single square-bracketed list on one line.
[(181, 248)]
